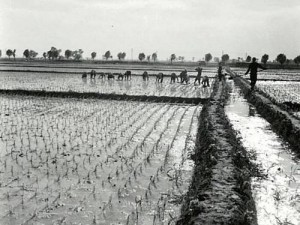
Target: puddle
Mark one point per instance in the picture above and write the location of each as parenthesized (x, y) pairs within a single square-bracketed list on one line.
[(277, 197)]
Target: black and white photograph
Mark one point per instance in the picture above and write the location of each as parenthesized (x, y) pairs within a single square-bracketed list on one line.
[(149, 112)]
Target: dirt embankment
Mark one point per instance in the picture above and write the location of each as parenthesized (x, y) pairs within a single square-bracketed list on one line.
[(276, 114), (220, 191), (93, 95)]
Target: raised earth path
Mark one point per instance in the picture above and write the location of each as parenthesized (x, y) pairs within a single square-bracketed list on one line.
[(220, 191)]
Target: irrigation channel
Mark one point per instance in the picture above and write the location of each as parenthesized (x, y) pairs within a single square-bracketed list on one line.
[(276, 192)]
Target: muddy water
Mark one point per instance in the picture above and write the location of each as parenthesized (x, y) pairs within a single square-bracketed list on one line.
[(277, 196)]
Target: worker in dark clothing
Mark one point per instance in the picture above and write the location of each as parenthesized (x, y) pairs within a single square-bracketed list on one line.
[(253, 71)]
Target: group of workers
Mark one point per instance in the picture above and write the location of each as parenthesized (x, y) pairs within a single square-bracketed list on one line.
[(183, 76)]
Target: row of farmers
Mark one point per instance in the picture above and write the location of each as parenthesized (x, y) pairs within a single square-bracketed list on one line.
[(183, 77)]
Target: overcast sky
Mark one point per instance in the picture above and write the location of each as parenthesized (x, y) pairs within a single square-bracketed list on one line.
[(189, 28)]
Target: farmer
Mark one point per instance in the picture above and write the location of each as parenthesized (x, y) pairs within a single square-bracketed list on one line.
[(93, 74), (221, 76), (198, 77), (184, 76), (84, 75), (173, 77), (253, 72), (159, 77), (205, 81), (145, 76)]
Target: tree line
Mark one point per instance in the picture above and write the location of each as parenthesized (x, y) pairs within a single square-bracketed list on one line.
[(56, 54)]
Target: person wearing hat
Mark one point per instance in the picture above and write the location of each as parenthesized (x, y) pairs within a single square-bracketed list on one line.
[(253, 72)]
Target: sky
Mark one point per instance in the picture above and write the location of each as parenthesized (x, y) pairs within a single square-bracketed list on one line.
[(189, 28)]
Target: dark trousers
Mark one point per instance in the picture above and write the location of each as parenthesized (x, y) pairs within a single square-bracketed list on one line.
[(253, 78)]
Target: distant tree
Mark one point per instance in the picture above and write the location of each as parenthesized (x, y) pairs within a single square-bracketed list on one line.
[(45, 55), (32, 54), (248, 59), (288, 61), (121, 55), (14, 54), (53, 53), (208, 57), (0, 53), (225, 58), (9, 53), (77, 54), (148, 58), (142, 56), (93, 54), (173, 57), (56, 53), (264, 59), (281, 58), (297, 60), (68, 53), (154, 56), (181, 58), (107, 55), (26, 54), (216, 59)]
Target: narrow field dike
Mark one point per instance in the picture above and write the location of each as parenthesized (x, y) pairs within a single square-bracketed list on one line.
[(92, 95), (220, 191)]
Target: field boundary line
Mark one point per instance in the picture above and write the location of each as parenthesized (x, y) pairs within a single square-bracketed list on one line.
[(94, 95)]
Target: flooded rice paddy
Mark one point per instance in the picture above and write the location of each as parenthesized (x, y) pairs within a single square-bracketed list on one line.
[(93, 161), (74, 83)]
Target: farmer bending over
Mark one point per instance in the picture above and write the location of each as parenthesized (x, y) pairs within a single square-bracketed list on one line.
[(253, 72), (205, 81), (173, 77)]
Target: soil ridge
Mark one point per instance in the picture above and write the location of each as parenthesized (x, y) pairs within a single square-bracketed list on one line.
[(220, 192)]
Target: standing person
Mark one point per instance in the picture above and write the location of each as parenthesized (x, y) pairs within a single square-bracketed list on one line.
[(253, 72), (220, 73), (198, 77)]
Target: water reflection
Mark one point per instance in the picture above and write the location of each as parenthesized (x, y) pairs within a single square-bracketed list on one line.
[(110, 82), (145, 84), (173, 89), (93, 82), (128, 85), (159, 86), (84, 80)]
